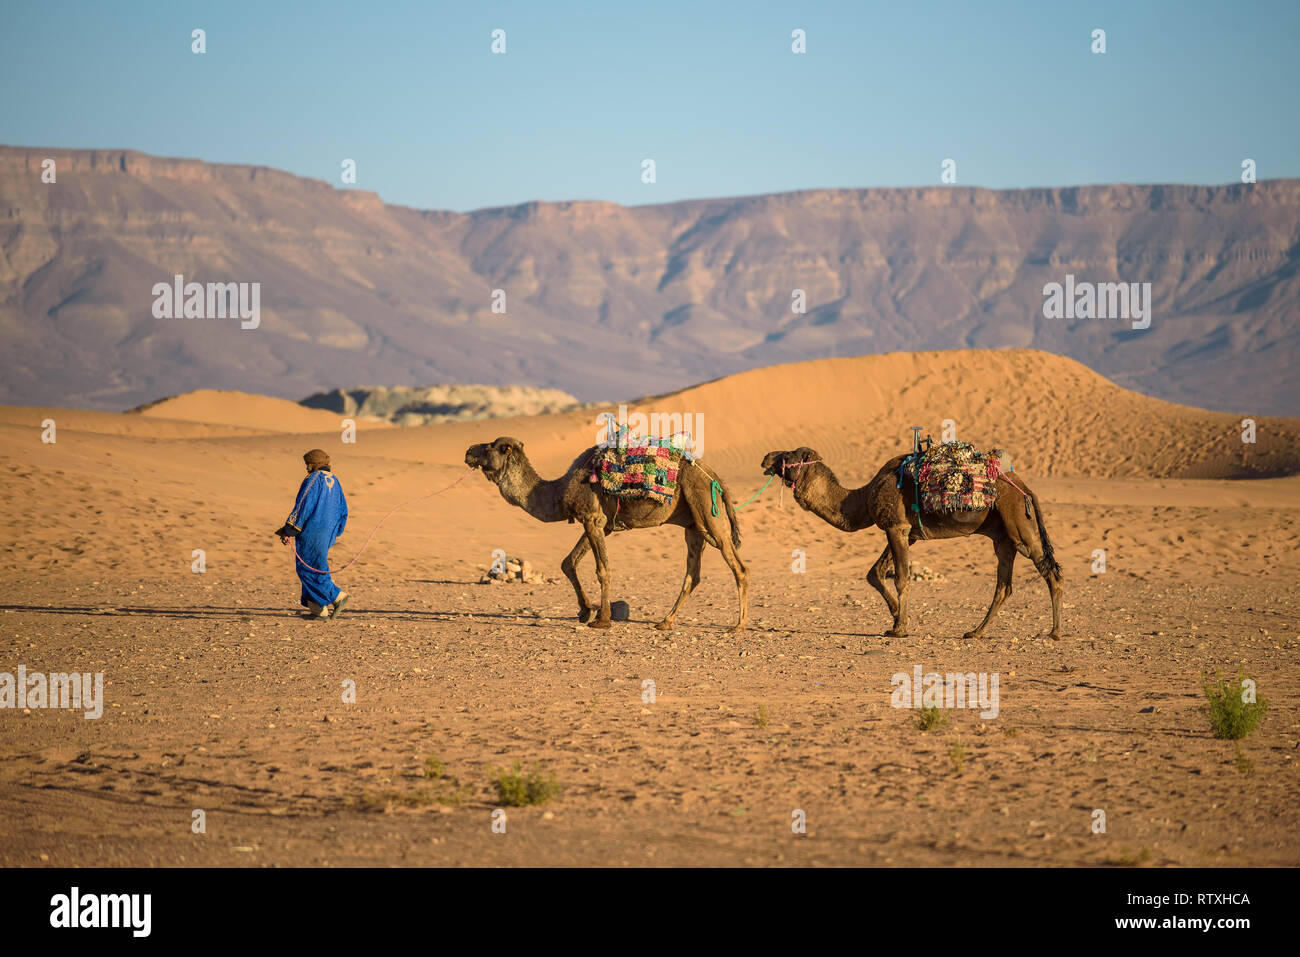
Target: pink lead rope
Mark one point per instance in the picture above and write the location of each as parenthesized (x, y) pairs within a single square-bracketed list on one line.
[(1002, 474)]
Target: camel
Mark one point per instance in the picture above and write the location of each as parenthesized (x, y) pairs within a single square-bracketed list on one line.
[(882, 503), (575, 498)]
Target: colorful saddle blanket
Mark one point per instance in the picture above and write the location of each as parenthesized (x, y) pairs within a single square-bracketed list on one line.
[(644, 468), (955, 477)]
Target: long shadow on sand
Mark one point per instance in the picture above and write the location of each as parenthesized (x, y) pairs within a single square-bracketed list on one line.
[(238, 613), (233, 612)]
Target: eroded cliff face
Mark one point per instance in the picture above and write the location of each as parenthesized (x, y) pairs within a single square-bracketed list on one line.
[(605, 301), (429, 405)]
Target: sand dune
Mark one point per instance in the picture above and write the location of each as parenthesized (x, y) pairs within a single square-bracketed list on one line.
[(242, 409), (25, 417), (1053, 414), (208, 413)]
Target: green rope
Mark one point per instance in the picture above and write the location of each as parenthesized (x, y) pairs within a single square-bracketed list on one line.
[(916, 506), (715, 487), (760, 491)]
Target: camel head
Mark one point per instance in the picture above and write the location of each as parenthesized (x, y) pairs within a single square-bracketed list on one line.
[(789, 466), (493, 457)]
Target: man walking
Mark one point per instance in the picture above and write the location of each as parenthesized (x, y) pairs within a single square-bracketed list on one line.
[(319, 516)]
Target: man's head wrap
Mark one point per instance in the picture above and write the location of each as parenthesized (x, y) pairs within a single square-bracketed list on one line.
[(317, 460)]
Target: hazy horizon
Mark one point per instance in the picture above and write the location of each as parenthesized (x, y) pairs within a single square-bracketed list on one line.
[(664, 202)]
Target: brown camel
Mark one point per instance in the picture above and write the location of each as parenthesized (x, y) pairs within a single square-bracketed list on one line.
[(575, 498), (881, 502)]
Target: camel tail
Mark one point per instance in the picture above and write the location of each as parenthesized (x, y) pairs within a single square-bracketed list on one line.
[(1048, 564), (731, 517)]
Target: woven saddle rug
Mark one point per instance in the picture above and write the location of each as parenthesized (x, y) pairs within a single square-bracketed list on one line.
[(644, 468), (956, 477)]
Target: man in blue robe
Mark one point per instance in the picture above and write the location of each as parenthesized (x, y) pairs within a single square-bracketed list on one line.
[(319, 516)]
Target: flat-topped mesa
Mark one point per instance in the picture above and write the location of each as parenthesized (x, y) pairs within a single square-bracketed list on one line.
[(25, 160), (429, 405), (357, 290)]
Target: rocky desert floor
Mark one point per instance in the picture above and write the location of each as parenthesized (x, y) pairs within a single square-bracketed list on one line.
[(221, 697), (232, 704)]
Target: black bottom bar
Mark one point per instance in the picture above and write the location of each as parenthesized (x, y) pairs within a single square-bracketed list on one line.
[(526, 907)]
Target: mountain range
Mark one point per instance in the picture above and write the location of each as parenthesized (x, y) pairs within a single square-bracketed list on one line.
[(603, 301)]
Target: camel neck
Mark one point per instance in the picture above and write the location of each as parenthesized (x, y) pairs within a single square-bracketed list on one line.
[(820, 492), (521, 486)]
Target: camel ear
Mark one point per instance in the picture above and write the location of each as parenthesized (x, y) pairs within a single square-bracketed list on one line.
[(804, 454)]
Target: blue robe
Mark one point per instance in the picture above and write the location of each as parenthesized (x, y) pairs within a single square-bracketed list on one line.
[(320, 513)]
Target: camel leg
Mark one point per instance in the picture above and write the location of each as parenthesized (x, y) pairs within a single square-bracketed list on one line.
[(1028, 543), (1054, 585), (694, 551), (596, 536), (741, 574), (1005, 549), (570, 568), (898, 537), (876, 579), (716, 530)]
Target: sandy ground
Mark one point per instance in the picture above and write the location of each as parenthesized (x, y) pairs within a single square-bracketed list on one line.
[(220, 697)]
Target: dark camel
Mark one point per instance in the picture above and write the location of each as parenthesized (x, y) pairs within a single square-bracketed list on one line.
[(573, 497), (882, 503)]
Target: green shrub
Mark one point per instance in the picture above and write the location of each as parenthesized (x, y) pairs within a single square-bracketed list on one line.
[(1231, 717), (957, 754), (931, 719), (516, 789)]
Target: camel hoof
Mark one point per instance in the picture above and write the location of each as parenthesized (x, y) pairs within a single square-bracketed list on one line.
[(1055, 635), (972, 634), (665, 625), (599, 623), (584, 615), (896, 633)]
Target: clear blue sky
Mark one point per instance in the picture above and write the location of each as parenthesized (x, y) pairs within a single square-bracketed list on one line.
[(709, 90)]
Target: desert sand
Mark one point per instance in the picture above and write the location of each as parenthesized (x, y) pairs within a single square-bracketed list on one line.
[(220, 696), (258, 413)]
